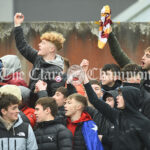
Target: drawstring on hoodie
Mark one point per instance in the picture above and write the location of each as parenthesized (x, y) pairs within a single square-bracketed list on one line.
[(13, 131)]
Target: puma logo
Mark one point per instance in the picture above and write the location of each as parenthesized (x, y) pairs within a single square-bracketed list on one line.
[(51, 138)]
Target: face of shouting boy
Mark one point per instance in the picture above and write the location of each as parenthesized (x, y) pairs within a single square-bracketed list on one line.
[(145, 62), (71, 107)]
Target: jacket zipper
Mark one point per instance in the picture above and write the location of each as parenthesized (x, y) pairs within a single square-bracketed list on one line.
[(2, 144), (8, 143), (13, 131), (15, 144)]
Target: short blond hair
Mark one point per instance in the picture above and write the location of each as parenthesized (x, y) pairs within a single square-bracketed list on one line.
[(79, 98), (147, 49), (54, 37)]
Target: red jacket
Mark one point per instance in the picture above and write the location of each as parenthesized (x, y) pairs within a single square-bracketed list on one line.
[(15, 79), (72, 125), (1, 84), (29, 112)]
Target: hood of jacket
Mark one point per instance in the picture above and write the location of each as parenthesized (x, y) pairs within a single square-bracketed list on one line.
[(136, 85), (11, 64), (84, 117), (112, 93), (117, 84), (58, 61), (25, 93), (132, 98)]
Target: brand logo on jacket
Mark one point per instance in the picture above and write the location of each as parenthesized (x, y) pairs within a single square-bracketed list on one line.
[(51, 138), (112, 127), (58, 79), (21, 134), (95, 128)]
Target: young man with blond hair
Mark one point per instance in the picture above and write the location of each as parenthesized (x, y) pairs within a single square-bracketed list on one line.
[(80, 123), (47, 64)]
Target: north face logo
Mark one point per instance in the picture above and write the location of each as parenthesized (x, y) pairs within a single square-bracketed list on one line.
[(21, 134)]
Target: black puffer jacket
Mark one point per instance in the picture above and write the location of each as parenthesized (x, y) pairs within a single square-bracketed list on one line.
[(132, 129), (53, 135), (106, 126), (42, 70), (78, 139)]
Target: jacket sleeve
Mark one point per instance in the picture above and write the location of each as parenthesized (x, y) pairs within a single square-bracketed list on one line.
[(64, 139), (107, 140), (145, 137), (101, 106), (119, 55), (96, 116), (31, 141), (28, 52), (31, 116), (71, 89), (42, 93)]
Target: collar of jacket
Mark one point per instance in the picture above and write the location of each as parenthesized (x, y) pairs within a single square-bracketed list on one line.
[(47, 123), (84, 117), (137, 85), (8, 126), (58, 61), (61, 108), (116, 85)]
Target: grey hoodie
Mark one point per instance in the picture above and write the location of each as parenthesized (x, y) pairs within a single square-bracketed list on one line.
[(58, 61), (11, 64), (17, 136)]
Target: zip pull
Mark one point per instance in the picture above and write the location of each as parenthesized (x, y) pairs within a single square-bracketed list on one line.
[(13, 131)]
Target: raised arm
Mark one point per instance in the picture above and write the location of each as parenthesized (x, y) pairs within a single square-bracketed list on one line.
[(117, 52), (101, 106), (27, 51)]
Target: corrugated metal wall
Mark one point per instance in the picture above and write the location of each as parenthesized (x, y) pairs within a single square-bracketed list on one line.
[(81, 41)]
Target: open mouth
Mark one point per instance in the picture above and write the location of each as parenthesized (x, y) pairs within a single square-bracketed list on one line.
[(75, 78), (66, 111), (142, 63), (39, 49)]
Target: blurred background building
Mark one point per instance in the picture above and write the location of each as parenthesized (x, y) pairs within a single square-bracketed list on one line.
[(73, 10)]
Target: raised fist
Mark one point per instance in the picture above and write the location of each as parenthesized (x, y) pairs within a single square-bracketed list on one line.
[(85, 65), (18, 19), (40, 86)]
